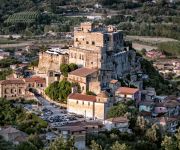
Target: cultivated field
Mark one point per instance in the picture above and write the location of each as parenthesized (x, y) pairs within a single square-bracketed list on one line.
[(146, 42), (150, 40)]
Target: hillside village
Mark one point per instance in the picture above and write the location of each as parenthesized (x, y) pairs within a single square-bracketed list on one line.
[(104, 73)]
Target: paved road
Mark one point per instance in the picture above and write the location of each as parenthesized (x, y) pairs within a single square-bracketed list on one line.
[(56, 110)]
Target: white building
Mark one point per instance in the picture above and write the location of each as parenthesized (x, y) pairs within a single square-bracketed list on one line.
[(120, 123), (94, 107), (124, 93)]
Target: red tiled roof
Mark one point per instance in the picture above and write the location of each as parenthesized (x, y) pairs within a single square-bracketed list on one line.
[(83, 72), (113, 81), (127, 90), (35, 79), (13, 81), (118, 120), (77, 96)]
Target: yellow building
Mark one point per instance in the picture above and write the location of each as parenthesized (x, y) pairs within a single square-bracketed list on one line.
[(103, 48), (89, 106), (83, 76), (12, 89)]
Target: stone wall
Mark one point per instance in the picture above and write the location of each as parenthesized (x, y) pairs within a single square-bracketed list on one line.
[(85, 108), (51, 62), (85, 58)]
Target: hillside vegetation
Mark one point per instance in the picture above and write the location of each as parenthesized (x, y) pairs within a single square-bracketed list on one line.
[(144, 18), (170, 48)]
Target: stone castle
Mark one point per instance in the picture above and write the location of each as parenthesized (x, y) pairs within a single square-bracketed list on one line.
[(51, 60), (95, 47)]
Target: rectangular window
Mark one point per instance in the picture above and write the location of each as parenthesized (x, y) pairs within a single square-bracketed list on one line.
[(87, 42), (93, 43)]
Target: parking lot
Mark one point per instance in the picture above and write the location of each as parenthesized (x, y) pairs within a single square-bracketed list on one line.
[(55, 115)]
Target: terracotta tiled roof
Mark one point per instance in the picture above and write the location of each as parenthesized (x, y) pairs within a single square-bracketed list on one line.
[(35, 79), (127, 90), (83, 72), (113, 81), (118, 120), (103, 94), (13, 81), (77, 96)]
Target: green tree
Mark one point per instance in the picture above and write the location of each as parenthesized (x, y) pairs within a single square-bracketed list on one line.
[(43, 48), (153, 134), (34, 63), (59, 91), (61, 144), (53, 90), (143, 51), (95, 146), (28, 32), (145, 145), (26, 146), (64, 90), (73, 66), (118, 110), (118, 146), (36, 141), (4, 145), (168, 143), (64, 68), (5, 73), (141, 125)]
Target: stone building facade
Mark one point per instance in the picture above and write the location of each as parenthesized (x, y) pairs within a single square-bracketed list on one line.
[(95, 47), (95, 107), (12, 89), (102, 48), (51, 60), (83, 76)]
